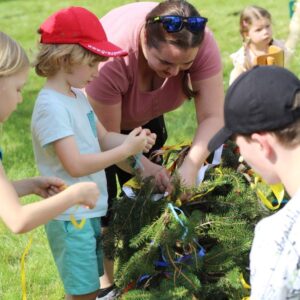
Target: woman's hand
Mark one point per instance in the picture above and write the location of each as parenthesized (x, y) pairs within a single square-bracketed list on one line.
[(161, 175), (188, 175)]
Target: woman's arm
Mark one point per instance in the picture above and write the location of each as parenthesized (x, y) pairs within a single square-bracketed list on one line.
[(209, 109)]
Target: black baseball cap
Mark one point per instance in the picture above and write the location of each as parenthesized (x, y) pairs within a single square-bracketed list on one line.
[(260, 99)]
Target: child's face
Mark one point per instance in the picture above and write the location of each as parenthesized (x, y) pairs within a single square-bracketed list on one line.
[(82, 75), (260, 32), (254, 154), (10, 92)]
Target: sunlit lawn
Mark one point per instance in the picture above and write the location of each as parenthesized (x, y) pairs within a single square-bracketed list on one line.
[(20, 19)]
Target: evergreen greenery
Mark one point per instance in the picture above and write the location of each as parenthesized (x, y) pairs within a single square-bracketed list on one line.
[(197, 251), (20, 19)]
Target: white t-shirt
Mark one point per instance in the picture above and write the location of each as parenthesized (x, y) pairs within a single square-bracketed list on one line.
[(275, 255), (56, 116)]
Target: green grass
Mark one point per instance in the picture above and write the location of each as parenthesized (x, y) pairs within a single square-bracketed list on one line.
[(20, 19)]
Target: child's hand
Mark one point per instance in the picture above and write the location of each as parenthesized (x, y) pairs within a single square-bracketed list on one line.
[(46, 186), (136, 141), (85, 193), (151, 138)]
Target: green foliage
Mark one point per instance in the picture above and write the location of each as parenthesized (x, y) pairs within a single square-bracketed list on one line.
[(20, 19), (159, 248)]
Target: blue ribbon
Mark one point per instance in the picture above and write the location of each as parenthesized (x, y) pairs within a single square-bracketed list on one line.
[(138, 164), (163, 262), (183, 259), (186, 258), (282, 204), (173, 210)]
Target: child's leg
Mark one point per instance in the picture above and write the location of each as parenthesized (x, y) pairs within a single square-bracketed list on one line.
[(108, 277), (91, 296), (78, 256)]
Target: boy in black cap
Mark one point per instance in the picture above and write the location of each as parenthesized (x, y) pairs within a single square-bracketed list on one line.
[(262, 113)]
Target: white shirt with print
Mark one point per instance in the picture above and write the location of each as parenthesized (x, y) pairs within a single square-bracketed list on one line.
[(275, 255)]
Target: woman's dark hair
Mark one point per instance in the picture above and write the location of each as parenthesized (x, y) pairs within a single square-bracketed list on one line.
[(185, 39)]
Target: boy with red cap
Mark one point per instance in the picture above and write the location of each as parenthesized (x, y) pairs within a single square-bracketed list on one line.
[(262, 114), (68, 140)]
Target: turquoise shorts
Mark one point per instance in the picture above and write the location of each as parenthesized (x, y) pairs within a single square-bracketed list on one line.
[(77, 254)]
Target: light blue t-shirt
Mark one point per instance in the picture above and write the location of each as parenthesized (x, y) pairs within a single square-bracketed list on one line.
[(56, 116)]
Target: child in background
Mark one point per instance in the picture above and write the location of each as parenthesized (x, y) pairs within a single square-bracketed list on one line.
[(256, 32), (262, 113), (71, 143), (14, 68)]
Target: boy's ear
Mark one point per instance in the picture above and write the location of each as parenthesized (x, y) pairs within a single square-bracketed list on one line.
[(264, 144)]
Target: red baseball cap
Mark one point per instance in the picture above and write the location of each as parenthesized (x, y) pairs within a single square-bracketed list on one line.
[(77, 25)]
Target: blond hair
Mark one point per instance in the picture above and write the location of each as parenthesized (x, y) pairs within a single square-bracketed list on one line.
[(53, 57), (13, 57), (250, 14)]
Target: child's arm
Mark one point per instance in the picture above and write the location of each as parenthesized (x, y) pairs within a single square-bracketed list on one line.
[(235, 73), (294, 34), (118, 147), (21, 219), (239, 64), (110, 139)]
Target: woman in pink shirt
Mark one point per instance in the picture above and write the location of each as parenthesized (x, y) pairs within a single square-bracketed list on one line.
[(172, 57)]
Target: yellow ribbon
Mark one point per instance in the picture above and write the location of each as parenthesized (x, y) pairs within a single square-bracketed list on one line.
[(23, 274), (245, 285), (132, 183), (76, 224), (277, 189), (176, 147)]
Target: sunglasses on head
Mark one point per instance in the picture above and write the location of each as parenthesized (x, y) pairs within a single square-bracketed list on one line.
[(176, 23)]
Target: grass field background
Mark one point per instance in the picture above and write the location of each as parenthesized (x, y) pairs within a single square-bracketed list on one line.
[(21, 19)]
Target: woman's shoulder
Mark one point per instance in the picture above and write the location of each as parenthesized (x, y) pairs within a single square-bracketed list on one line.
[(123, 24), (131, 9), (208, 60)]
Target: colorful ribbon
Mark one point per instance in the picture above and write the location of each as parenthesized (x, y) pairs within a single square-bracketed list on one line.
[(132, 184), (23, 273), (277, 189), (76, 224)]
